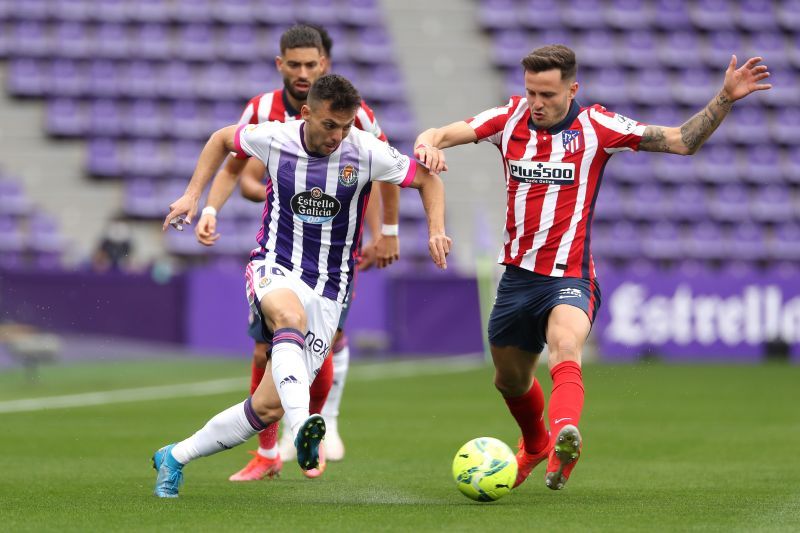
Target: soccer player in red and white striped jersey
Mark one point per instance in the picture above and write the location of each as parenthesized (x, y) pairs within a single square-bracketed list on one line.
[(554, 152)]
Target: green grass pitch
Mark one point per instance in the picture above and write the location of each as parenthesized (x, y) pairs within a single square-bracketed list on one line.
[(667, 448)]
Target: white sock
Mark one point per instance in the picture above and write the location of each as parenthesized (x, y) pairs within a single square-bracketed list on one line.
[(270, 453), (291, 377), (341, 363), (229, 428)]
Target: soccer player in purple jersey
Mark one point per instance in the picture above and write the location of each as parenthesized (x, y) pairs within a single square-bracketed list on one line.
[(322, 170)]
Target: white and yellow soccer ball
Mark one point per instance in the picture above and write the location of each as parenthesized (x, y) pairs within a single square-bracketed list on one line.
[(485, 469)]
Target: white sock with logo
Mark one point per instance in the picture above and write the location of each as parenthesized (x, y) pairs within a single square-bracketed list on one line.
[(341, 363), (227, 429), (290, 376)]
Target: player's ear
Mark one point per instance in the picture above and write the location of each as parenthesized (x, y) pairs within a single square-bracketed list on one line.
[(278, 62), (573, 89), (305, 112)]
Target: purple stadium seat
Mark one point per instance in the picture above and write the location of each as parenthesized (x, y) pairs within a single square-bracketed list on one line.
[(624, 241), (502, 15), (80, 10), (30, 9), (747, 124), (194, 42), (66, 117), (12, 238), (595, 48), (27, 77), (105, 157), (671, 14), (72, 39), (730, 203), (275, 12), (29, 38), (214, 81), (784, 91), (749, 241), (12, 198), (184, 154), (341, 52), (176, 79), (365, 13), (223, 113), (717, 163), (144, 119), (773, 203), (712, 14), (539, 15), (626, 14), (111, 40), (662, 116), (385, 83), (646, 201), (790, 165), (718, 46), (688, 202), (148, 11), (192, 10), (705, 241), (103, 78), (236, 11), (105, 118), (674, 169), (144, 157), (650, 86), (783, 245), (397, 122), (110, 10), (694, 87), (609, 204), (662, 240), (788, 14), (509, 47), (761, 165), (756, 15), (185, 121), (638, 49), (237, 42), (630, 168), (317, 11), (785, 126), (141, 199), (772, 46), (582, 14), (67, 79), (258, 78), (607, 87), (153, 41), (138, 79), (679, 49), (44, 235), (372, 45)]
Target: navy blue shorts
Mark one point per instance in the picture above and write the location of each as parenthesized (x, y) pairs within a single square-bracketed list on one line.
[(523, 304)]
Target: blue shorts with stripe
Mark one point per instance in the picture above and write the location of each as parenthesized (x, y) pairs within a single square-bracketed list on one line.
[(256, 330), (523, 304)]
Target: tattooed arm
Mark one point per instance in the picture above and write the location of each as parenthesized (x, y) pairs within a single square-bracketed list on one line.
[(687, 139)]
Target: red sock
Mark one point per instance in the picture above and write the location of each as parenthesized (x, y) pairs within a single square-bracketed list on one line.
[(566, 402), (321, 386), (528, 411)]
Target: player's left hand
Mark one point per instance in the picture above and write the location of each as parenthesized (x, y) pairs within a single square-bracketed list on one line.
[(387, 250), (431, 158), (744, 80), (367, 258), (439, 247), (181, 212)]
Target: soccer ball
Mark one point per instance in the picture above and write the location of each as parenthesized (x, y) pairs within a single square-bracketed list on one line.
[(485, 469)]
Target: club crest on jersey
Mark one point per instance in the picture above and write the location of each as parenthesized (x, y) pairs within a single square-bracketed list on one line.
[(264, 282), (542, 172), (314, 206), (348, 175), (573, 141)]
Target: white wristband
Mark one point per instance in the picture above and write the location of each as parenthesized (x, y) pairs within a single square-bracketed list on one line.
[(209, 210), (390, 230)]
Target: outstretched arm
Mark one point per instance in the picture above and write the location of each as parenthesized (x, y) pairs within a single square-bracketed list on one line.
[(218, 146), (429, 143), (687, 139), (431, 190)]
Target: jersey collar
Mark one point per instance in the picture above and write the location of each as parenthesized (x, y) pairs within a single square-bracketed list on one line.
[(572, 114), (290, 110), (303, 140)]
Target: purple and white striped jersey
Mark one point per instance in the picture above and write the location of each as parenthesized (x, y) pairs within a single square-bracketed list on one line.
[(314, 212)]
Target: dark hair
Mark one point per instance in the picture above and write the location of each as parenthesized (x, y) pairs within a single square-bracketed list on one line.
[(301, 36), (337, 90), (327, 42), (554, 56)]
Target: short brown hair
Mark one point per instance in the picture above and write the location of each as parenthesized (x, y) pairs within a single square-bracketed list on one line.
[(554, 56), (301, 36), (336, 90)]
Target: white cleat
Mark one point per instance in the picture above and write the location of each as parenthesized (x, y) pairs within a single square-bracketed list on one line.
[(286, 447), (334, 447)]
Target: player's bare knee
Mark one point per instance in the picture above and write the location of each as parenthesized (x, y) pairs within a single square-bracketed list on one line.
[(564, 349), (288, 318), (511, 385)]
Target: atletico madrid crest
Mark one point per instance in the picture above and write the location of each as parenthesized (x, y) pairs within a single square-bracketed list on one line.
[(573, 141)]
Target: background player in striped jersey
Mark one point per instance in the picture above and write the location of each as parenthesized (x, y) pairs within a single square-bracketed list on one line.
[(554, 153), (305, 56), (321, 171)]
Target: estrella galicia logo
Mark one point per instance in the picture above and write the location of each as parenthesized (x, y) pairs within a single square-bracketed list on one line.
[(314, 206), (348, 175), (542, 172)]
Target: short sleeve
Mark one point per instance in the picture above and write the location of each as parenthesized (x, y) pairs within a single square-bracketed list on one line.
[(615, 132), (488, 125), (388, 164), (254, 140)]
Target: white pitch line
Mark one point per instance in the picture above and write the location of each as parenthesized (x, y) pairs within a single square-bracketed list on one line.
[(371, 372)]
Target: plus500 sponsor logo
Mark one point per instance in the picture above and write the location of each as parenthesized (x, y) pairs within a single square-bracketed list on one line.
[(755, 315), (544, 172)]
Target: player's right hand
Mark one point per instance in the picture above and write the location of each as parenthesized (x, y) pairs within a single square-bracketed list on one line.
[(431, 157), (439, 247), (181, 211), (206, 230)]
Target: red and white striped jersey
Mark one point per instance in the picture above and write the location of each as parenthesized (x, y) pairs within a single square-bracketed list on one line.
[(274, 106), (552, 180)]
